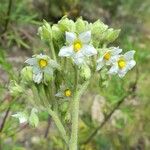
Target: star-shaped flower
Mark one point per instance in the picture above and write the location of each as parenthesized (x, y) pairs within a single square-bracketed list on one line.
[(41, 64), (78, 47), (109, 56), (64, 92), (123, 64)]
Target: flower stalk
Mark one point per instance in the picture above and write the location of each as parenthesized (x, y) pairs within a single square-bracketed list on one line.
[(58, 124), (75, 112), (52, 50)]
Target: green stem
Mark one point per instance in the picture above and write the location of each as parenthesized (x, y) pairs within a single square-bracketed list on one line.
[(58, 124), (53, 50), (75, 114), (54, 115)]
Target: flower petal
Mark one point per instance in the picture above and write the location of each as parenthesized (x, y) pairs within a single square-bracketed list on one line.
[(129, 55), (53, 64), (100, 64), (70, 37), (112, 60), (59, 94), (66, 51), (36, 70), (78, 58), (49, 71), (85, 37), (131, 64), (89, 50), (122, 72), (31, 61), (22, 116), (37, 77), (113, 70), (116, 51), (78, 61), (100, 60)]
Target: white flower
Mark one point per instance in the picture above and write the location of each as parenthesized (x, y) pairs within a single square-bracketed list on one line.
[(41, 64), (108, 57), (123, 64), (64, 92), (22, 116), (78, 47)]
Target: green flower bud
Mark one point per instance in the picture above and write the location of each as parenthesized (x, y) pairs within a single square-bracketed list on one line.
[(67, 117), (45, 31), (97, 29), (58, 35), (64, 107), (110, 35), (66, 25), (15, 89), (47, 78), (80, 25), (26, 74), (85, 72)]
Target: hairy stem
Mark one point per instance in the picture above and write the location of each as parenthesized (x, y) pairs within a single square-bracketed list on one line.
[(75, 114), (58, 124)]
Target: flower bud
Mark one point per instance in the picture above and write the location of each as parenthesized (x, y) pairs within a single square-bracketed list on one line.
[(80, 25), (110, 35), (66, 25), (45, 31), (26, 74), (15, 89), (64, 107), (67, 117), (47, 78), (85, 72)]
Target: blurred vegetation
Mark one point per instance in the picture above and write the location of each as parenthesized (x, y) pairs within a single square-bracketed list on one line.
[(130, 96)]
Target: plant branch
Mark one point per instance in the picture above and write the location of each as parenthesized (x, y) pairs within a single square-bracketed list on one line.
[(4, 119), (52, 50), (75, 112), (48, 127), (58, 124), (19, 130), (8, 16)]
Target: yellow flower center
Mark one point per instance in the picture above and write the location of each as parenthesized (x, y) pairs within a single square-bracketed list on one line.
[(68, 93), (42, 63), (121, 63), (77, 45), (107, 56)]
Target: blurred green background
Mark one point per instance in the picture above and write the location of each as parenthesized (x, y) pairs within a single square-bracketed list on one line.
[(129, 129)]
